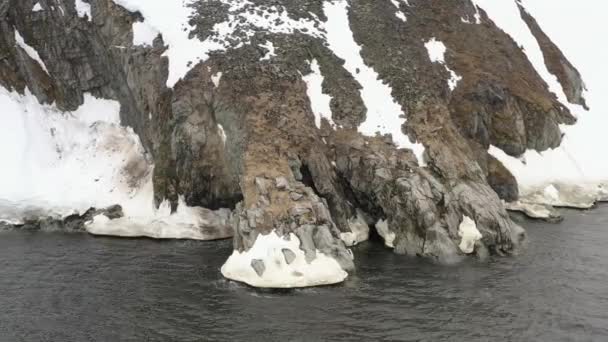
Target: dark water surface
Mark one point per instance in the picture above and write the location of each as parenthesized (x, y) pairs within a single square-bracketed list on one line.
[(75, 287)]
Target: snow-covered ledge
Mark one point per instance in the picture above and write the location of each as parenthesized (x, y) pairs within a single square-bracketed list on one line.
[(194, 223), (554, 178), (278, 262)]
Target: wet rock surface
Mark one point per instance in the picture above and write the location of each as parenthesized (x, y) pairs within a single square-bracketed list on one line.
[(71, 223), (238, 130)]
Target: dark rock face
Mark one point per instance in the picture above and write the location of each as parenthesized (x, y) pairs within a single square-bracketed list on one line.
[(249, 142), (567, 75)]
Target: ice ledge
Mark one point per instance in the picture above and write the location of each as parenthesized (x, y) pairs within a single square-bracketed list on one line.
[(278, 262), (541, 202), (194, 223)]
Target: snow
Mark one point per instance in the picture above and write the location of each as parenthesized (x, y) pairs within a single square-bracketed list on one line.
[(271, 51), (534, 210), (220, 128), (83, 9), (469, 235), (399, 14), (143, 34), (476, 16), (216, 79), (30, 51), (278, 273), (436, 50), (384, 114), (57, 164), (172, 20), (576, 168), (37, 7), (65, 162), (359, 231), (385, 233), (319, 101), (159, 223)]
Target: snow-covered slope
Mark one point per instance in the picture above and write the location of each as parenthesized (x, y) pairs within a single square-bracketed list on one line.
[(57, 164), (578, 167)]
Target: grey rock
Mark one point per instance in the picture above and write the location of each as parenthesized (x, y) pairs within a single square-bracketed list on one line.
[(289, 255), (282, 183), (295, 196), (258, 266)]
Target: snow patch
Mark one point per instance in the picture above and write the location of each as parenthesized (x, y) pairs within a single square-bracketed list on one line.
[(143, 34), (384, 114), (319, 101), (83, 9), (386, 233), (37, 7), (160, 223), (359, 231), (534, 210), (220, 128), (399, 14), (278, 271), (469, 235), (271, 51), (30, 51), (58, 164), (216, 79), (566, 183), (67, 162), (172, 20), (436, 50), (476, 16)]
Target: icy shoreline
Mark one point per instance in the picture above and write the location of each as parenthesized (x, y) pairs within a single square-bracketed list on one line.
[(278, 262)]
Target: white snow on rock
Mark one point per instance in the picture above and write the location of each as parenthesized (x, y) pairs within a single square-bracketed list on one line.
[(220, 128), (319, 101), (271, 51), (436, 50), (534, 210), (171, 19), (476, 17), (399, 14), (66, 161), (143, 34), (359, 231), (37, 7), (384, 114), (83, 9), (469, 235), (30, 51), (160, 223), (386, 233), (272, 249), (58, 164), (216, 78), (506, 16), (576, 168)]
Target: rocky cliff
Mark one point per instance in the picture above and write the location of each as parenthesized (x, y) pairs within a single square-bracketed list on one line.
[(314, 121)]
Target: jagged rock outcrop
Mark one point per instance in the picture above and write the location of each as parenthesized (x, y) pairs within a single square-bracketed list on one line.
[(567, 75), (239, 130)]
